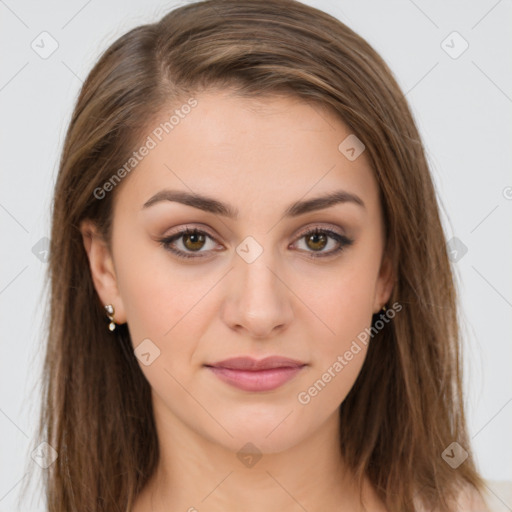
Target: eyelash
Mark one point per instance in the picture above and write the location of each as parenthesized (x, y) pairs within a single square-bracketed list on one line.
[(342, 240)]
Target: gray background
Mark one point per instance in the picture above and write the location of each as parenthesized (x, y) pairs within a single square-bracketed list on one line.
[(462, 105)]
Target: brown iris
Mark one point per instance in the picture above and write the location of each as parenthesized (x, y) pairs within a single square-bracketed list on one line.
[(315, 239), (193, 241)]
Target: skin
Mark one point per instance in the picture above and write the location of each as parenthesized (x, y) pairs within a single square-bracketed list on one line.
[(259, 156)]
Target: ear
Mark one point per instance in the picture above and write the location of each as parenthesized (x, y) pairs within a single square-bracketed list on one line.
[(102, 269), (384, 285)]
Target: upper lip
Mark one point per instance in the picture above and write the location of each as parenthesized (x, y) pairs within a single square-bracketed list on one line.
[(248, 363)]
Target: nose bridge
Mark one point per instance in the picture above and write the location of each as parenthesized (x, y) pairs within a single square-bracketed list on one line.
[(259, 279)]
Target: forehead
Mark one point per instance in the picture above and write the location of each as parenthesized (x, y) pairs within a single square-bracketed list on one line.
[(252, 152)]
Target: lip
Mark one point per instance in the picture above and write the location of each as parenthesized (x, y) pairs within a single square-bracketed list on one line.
[(249, 363), (251, 374)]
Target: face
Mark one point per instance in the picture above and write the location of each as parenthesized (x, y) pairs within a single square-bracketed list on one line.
[(264, 270)]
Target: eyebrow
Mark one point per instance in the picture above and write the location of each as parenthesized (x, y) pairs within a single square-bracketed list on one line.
[(208, 204)]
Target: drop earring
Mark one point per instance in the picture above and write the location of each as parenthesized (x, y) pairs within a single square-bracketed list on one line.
[(109, 308)]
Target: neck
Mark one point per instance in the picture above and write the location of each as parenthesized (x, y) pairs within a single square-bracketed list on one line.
[(196, 474)]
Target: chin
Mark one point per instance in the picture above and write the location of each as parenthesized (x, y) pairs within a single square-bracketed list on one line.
[(259, 442), (269, 433)]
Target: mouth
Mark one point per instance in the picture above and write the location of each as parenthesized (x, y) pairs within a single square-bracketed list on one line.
[(249, 374)]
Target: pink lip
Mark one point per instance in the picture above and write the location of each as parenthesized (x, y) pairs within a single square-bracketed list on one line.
[(257, 375)]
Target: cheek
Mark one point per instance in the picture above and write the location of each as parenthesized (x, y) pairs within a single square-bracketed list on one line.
[(339, 353), (339, 317), (165, 303), (154, 298), (340, 296), (339, 304)]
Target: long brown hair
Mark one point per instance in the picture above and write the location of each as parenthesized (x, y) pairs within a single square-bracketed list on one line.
[(406, 406)]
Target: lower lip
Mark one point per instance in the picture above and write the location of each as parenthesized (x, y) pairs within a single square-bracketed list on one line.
[(261, 380)]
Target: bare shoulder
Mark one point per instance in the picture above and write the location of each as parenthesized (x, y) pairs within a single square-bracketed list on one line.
[(470, 500)]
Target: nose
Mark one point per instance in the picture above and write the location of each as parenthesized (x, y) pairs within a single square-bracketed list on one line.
[(257, 299)]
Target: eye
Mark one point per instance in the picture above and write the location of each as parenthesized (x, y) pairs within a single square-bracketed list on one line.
[(194, 240), (317, 239)]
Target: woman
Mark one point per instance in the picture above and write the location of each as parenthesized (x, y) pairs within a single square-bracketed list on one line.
[(252, 307)]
